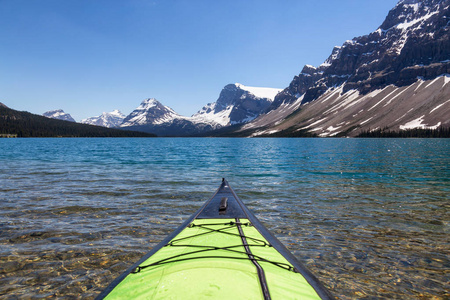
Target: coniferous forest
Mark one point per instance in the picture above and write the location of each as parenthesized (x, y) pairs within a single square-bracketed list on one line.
[(440, 132), (25, 124)]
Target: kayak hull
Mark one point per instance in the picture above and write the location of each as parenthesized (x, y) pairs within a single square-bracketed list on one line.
[(220, 252)]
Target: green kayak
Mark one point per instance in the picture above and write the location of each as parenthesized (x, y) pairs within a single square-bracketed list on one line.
[(221, 252)]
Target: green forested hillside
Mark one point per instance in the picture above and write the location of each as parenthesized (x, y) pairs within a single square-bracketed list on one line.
[(26, 124)]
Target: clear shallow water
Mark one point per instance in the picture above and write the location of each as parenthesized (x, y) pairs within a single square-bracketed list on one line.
[(369, 217)]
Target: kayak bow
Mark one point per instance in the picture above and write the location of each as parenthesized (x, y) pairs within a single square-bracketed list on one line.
[(221, 252)]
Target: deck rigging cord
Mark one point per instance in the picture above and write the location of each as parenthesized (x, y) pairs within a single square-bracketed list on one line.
[(206, 248)]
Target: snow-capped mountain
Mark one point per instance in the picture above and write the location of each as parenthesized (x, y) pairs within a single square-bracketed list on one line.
[(58, 114), (236, 104), (151, 111), (107, 119), (152, 116), (392, 78)]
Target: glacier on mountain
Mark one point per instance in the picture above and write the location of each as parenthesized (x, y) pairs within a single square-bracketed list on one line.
[(236, 104)]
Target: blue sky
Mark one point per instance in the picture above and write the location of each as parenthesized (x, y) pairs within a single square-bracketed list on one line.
[(91, 56)]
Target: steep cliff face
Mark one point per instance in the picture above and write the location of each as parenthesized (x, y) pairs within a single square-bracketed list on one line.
[(410, 48), (236, 104)]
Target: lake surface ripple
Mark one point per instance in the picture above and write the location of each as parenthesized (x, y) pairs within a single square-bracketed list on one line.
[(369, 217)]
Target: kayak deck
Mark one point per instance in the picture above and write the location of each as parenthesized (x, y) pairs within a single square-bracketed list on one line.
[(221, 252)]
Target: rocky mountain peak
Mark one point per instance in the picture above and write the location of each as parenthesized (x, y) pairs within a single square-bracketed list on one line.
[(116, 112), (58, 114), (150, 111), (309, 70), (413, 42), (106, 119), (150, 101), (410, 10)]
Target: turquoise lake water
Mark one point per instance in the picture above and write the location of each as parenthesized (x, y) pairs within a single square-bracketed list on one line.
[(369, 217)]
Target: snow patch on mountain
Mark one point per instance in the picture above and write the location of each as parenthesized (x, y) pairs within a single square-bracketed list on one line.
[(260, 92), (418, 123), (209, 115)]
